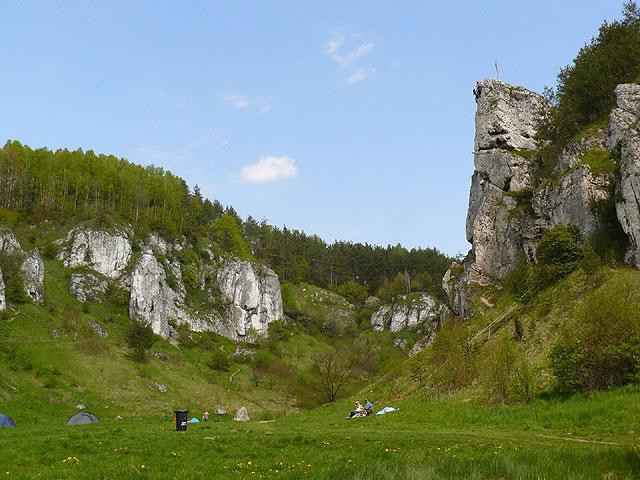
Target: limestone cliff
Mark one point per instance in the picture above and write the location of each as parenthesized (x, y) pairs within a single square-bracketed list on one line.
[(105, 252), (414, 311), (3, 297), (624, 137), (510, 207), (31, 271)]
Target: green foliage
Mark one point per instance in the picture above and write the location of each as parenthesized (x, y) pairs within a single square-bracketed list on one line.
[(518, 328), (591, 262), (353, 291), (218, 360), (289, 252), (584, 92), (600, 162), (525, 383), (303, 271), (523, 201), (558, 253), (452, 359), (500, 371), (140, 338), (191, 276), (289, 303), (609, 241), (14, 285), (602, 348), (400, 285), (526, 154), (50, 250), (227, 232)]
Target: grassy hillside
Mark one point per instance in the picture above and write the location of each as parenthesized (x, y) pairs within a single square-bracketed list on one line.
[(51, 359)]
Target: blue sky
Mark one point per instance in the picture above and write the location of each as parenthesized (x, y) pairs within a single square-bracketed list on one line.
[(352, 120)]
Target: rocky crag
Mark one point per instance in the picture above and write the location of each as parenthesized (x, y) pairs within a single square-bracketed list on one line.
[(232, 297), (30, 264), (417, 311), (511, 206)]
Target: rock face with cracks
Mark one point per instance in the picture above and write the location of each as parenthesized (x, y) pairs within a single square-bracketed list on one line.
[(623, 137), (3, 297), (407, 312), (511, 206), (88, 287), (250, 294), (105, 252), (32, 270), (253, 296), (506, 120)]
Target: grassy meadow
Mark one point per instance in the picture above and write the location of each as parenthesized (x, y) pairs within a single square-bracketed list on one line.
[(592, 437)]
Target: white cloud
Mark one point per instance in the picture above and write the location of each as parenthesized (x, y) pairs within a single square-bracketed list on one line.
[(236, 100), (356, 76), (243, 102), (347, 48), (269, 169)]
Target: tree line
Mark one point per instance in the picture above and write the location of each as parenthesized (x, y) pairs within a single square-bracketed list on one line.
[(69, 186)]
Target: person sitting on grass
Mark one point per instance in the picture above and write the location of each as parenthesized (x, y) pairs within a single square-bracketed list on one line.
[(368, 407), (358, 412)]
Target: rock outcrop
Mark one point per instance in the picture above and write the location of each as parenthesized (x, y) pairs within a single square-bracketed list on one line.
[(105, 252), (506, 120), (152, 300), (8, 243), (623, 137), (248, 295), (511, 206), (88, 287), (407, 312), (3, 297), (253, 294), (32, 271)]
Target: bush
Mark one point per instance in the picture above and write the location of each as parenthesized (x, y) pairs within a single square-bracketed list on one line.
[(50, 250), (558, 253), (499, 373), (219, 361), (288, 299), (14, 285), (601, 349), (451, 359), (353, 291), (518, 328), (191, 276), (140, 338)]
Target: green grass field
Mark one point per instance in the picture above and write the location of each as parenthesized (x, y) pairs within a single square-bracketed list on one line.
[(576, 438)]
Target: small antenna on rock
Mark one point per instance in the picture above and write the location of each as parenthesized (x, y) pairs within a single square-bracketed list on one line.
[(497, 73)]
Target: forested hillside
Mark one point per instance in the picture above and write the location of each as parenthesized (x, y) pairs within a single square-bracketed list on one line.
[(70, 186)]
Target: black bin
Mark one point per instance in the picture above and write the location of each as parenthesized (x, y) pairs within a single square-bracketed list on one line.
[(181, 420)]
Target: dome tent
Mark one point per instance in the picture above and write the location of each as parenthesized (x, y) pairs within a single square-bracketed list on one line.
[(6, 421), (82, 418)]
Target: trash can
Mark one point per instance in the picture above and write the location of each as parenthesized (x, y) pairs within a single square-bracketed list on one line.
[(181, 420)]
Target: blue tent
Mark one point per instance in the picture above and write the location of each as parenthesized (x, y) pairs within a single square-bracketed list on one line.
[(6, 421), (195, 420)]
